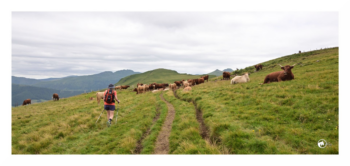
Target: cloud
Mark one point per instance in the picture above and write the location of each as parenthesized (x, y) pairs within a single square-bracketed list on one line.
[(57, 44)]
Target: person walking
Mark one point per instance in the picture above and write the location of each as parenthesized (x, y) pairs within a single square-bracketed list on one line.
[(110, 96)]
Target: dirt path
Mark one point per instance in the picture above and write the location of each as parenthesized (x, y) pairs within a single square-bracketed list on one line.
[(162, 143)]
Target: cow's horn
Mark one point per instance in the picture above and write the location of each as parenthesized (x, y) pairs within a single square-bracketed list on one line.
[(280, 65)]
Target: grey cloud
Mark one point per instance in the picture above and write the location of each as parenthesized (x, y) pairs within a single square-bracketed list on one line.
[(52, 44)]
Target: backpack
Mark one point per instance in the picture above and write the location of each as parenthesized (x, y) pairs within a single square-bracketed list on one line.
[(109, 96)]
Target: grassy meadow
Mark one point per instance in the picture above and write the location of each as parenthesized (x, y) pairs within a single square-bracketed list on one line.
[(278, 118)]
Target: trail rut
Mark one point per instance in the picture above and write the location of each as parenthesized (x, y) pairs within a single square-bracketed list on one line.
[(162, 143)]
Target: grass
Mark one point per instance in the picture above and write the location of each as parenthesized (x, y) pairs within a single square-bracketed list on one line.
[(277, 118), (285, 117), (68, 126)]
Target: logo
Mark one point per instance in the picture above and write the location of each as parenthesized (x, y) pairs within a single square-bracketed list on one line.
[(322, 143)]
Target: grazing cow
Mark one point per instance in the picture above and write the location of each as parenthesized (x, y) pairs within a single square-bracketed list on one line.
[(195, 81), (258, 67), (55, 96), (200, 80), (172, 86), (158, 86), (151, 86), (27, 101), (118, 87), (240, 79), (99, 96), (206, 77), (135, 90), (190, 82), (178, 83), (187, 88), (125, 86), (91, 98), (185, 83), (138, 84), (141, 89), (279, 76), (226, 75)]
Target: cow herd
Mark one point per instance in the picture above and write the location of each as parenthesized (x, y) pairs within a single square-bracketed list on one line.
[(186, 84), (277, 76)]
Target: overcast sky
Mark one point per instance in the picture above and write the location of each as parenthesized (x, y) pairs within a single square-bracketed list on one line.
[(58, 44)]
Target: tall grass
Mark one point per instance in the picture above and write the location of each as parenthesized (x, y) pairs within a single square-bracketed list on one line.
[(283, 117)]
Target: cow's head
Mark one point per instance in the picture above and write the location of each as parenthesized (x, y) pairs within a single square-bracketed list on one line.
[(287, 69)]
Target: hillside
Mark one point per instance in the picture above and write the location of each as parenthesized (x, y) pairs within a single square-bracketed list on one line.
[(217, 72), (22, 92), (214, 118), (77, 83), (158, 76)]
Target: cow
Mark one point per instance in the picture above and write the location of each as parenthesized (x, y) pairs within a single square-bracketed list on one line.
[(226, 75), (27, 101), (138, 84), (185, 83), (172, 86), (91, 98), (258, 67), (240, 79), (55, 97), (178, 83), (124, 86), (195, 81), (206, 77), (200, 80), (151, 86), (279, 76), (135, 90), (141, 89), (118, 87), (99, 96), (187, 88), (191, 82)]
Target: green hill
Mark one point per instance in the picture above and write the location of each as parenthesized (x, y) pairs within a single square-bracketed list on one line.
[(217, 72), (216, 117), (37, 94), (77, 83), (158, 76)]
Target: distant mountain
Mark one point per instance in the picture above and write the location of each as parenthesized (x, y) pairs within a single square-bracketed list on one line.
[(229, 70), (217, 72), (158, 76), (77, 83), (22, 92)]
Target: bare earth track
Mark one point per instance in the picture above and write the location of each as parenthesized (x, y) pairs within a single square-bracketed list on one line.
[(162, 143)]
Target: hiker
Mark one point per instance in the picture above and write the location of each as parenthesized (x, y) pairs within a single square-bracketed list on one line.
[(110, 96)]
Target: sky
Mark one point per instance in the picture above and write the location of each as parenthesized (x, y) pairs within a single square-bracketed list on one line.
[(59, 44)]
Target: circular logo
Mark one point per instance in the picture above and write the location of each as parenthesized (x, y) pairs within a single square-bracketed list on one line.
[(322, 143)]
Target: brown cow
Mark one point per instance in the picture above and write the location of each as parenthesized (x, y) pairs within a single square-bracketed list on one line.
[(118, 87), (258, 67), (136, 90), (55, 96), (190, 82), (91, 98), (279, 76), (226, 75), (201, 80), (178, 83), (125, 86), (206, 77), (27, 101)]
